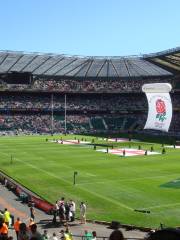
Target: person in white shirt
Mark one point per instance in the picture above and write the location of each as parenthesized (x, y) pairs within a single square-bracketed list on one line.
[(54, 237), (83, 212), (72, 210)]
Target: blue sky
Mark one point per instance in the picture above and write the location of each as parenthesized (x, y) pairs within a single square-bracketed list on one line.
[(90, 27)]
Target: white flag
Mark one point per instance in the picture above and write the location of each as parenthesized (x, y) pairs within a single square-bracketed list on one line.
[(159, 106)]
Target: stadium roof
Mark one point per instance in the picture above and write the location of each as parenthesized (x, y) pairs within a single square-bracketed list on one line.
[(40, 64), (170, 59)]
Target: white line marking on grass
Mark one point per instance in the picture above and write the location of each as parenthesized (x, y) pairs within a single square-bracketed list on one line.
[(109, 199), (70, 183), (91, 175), (150, 177), (130, 179), (172, 146), (164, 205), (42, 170), (39, 169), (84, 189)]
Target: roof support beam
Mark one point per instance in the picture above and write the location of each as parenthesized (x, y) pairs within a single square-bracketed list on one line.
[(15, 63)]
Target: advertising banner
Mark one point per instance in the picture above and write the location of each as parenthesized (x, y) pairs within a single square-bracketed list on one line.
[(159, 106)]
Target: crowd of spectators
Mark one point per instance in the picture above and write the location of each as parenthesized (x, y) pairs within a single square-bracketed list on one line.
[(37, 124), (87, 86), (31, 112), (90, 102), (31, 231), (27, 229), (74, 102), (75, 85), (83, 123), (28, 123)]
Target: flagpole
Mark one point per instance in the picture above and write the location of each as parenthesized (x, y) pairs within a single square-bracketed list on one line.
[(52, 114), (65, 113)]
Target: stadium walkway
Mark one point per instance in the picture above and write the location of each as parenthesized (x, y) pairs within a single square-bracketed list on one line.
[(10, 201)]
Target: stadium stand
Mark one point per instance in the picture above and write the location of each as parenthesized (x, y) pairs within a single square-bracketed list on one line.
[(39, 92), (103, 94)]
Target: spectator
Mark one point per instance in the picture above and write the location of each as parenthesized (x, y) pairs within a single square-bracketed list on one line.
[(32, 213), (88, 235), (67, 211), (72, 210), (116, 235), (62, 211), (34, 233), (3, 230), (54, 237), (1, 215), (7, 217), (68, 234), (24, 233), (94, 235), (165, 234), (45, 235), (83, 212), (16, 226), (65, 235), (31, 222)]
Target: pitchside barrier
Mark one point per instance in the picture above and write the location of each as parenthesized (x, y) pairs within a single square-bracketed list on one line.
[(24, 194)]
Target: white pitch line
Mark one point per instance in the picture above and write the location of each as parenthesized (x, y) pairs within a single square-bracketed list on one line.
[(96, 194), (37, 168), (99, 195), (110, 200), (84, 189), (42, 170), (90, 174), (126, 179), (129, 179), (163, 206)]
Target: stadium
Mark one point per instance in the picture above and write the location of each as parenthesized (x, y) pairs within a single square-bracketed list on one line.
[(102, 94), (46, 99)]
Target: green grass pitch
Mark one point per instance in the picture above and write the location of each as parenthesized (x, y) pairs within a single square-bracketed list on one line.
[(112, 186)]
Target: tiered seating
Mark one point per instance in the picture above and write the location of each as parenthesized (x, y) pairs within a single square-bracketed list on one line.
[(129, 122), (97, 123), (31, 112), (114, 123)]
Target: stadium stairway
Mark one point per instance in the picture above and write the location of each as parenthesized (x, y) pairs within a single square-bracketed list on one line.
[(105, 125)]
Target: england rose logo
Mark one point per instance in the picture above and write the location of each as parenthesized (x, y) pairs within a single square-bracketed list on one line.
[(160, 106), (161, 110)]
